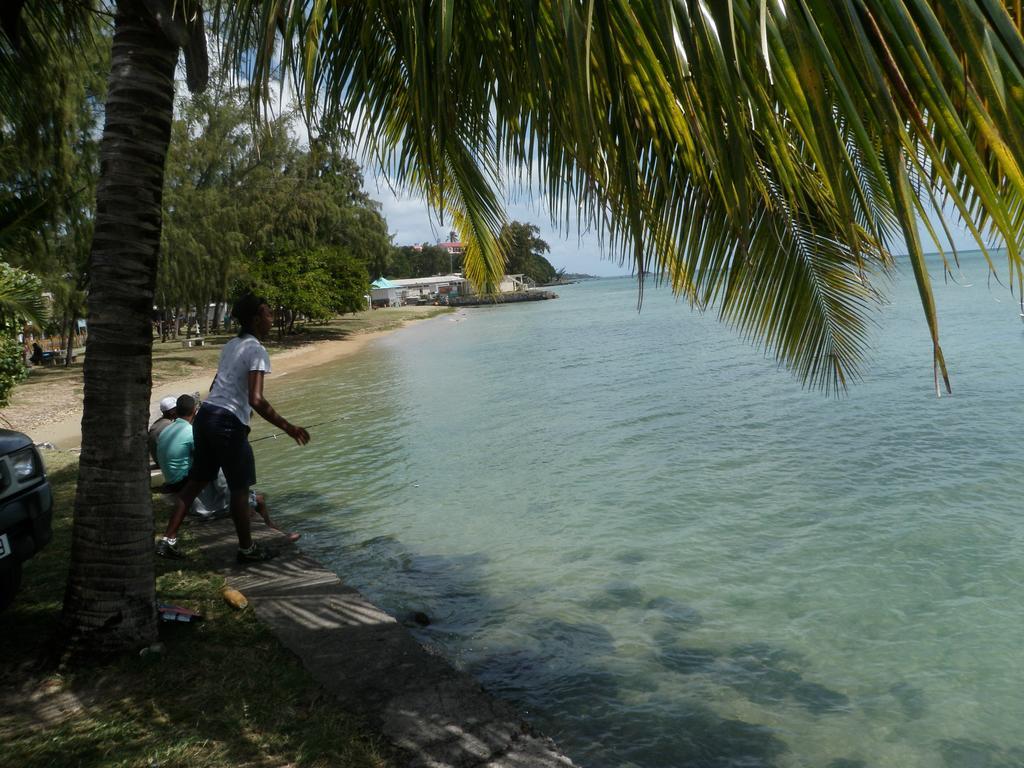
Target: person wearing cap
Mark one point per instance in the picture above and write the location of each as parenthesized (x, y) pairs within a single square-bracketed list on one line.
[(168, 413), (174, 452), (221, 429), (175, 444)]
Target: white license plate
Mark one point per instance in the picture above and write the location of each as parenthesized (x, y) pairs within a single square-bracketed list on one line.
[(5, 546)]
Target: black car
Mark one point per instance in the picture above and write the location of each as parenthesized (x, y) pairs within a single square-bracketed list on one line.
[(26, 509)]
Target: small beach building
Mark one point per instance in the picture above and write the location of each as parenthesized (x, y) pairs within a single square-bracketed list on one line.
[(384, 293), (425, 290), (514, 283)]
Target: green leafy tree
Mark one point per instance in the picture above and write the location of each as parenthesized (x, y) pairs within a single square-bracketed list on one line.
[(525, 250), (312, 230), (12, 369), (398, 263), (247, 204), (316, 284), (419, 261), (761, 157), (48, 170), (21, 301), (351, 282), (213, 151)]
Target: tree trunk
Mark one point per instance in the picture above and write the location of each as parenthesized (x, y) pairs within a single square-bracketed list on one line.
[(109, 605), (70, 325)]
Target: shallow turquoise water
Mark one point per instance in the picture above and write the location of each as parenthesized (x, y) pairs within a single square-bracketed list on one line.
[(641, 531)]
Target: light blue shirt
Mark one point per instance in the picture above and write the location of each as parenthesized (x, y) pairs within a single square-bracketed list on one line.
[(174, 451)]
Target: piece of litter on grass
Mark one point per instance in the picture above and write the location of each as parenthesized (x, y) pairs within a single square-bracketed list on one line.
[(177, 613), (234, 598)]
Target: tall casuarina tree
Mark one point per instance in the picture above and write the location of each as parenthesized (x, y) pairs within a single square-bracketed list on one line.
[(762, 156)]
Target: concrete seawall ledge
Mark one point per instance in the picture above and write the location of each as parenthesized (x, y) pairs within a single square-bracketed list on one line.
[(434, 714), (501, 298)]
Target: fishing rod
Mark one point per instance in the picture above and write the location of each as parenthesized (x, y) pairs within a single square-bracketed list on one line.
[(275, 435)]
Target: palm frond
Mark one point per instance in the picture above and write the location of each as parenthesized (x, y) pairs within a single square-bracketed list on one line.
[(21, 298), (767, 154)]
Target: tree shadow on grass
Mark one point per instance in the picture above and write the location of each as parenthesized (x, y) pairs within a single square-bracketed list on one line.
[(220, 692)]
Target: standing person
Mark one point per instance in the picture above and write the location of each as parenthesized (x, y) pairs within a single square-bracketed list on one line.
[(221, 428), (175, 445), (168, 414)]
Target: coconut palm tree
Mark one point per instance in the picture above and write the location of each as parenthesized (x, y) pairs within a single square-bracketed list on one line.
[(763, 156)]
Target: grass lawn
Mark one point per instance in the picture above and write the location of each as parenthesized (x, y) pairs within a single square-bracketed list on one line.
[(223, 692)]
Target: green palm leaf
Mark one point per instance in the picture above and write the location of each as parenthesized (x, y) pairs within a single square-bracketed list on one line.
[(764, 155), (21, 298)]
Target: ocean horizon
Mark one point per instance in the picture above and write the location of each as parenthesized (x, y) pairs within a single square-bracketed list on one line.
[(647, 535)]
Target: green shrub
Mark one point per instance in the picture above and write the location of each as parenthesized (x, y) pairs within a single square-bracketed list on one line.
[(12, 369)]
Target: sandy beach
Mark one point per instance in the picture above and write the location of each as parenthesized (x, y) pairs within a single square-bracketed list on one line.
[(50, 411)]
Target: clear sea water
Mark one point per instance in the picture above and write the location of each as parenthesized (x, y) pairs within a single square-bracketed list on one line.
[(646, 535)]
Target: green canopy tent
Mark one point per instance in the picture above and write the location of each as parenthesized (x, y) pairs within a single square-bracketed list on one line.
[(384, 293)]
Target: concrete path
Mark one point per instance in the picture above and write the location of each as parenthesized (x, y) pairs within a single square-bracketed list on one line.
[(435, 714)]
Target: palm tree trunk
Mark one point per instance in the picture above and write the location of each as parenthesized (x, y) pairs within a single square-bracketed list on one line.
[(109, 605)]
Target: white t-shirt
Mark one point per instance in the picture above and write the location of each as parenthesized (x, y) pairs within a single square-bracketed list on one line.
[(231, 387)]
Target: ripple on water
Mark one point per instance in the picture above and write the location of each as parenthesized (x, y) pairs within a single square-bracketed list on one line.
[(639, 529)]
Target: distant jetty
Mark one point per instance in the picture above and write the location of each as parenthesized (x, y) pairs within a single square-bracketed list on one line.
[(500, 298)]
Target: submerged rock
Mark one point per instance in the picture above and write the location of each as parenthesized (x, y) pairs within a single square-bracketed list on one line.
[(416, 618)]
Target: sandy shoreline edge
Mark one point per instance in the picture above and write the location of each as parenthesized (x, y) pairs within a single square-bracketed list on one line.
[(66, 433)]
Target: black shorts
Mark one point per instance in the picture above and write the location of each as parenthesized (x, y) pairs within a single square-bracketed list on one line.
[(174, 487), (221, 441)]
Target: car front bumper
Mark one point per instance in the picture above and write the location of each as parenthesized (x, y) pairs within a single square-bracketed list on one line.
[(26, 521)]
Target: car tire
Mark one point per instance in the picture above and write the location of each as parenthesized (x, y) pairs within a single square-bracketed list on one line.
[(10, 581)]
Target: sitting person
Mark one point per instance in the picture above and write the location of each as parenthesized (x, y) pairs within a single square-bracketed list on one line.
[(214, 501), (168, 413), (175, 444), (174, 455)]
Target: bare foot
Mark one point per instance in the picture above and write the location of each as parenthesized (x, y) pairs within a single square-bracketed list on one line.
[(292, 537)]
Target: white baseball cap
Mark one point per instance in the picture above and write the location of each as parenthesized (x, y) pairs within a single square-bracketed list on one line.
[(168, 404)]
